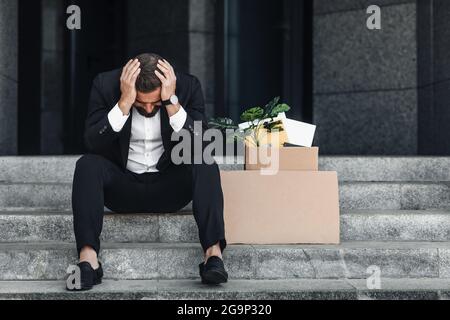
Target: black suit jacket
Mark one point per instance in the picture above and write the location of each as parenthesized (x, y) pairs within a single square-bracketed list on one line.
[(101, 139)]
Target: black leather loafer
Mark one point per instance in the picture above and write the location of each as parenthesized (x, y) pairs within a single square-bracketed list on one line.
[(89, 276), (213, 272)]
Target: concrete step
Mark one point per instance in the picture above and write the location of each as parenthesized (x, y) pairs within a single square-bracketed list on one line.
[(60, 169), (400, 289), (417, 225), (37, 226), (353, 195), (381, 169), (351, 260)]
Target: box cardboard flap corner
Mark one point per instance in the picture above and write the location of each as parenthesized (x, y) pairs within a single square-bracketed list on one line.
[(292, 207), (302, 158), (289, 158)]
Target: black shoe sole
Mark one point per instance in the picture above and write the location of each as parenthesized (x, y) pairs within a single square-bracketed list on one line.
[(215, 277)]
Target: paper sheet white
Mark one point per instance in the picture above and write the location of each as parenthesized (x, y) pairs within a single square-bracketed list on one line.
[(299, 133)]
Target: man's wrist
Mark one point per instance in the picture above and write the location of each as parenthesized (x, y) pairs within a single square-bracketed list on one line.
[(167, 98), (124, 107), (173, 109)]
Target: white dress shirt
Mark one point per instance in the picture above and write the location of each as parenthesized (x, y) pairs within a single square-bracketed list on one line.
[(146, 145)]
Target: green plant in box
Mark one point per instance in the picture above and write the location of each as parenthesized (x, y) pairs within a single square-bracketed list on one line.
[(258, 117)]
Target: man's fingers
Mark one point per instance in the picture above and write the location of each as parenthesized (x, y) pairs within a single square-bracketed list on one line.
[(167, 69), (135, 75), (160, 76), (124, 69), (166, 66), (132, 69), (169, 66), (171, 70), (164, 70), (127, 66)]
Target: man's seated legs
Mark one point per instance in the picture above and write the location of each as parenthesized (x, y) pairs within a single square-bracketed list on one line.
[(99, 182)]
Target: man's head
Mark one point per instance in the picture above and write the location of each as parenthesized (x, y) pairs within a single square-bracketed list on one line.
[(148, 85)]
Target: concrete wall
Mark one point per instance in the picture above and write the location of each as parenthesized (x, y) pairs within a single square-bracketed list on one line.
[(365, 82), (8, 77)]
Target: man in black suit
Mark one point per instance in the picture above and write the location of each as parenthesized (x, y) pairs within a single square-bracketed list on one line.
[(132, 115)]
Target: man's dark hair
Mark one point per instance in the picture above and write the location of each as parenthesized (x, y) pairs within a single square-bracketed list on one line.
[(148, 81)]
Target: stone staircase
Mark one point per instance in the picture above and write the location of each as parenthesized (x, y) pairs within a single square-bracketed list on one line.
[(395, 215)]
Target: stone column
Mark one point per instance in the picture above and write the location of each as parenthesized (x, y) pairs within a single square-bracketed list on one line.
[(8, 76), (202, 49)]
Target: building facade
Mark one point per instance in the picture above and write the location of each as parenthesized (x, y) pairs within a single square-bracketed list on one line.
[(370, 92)]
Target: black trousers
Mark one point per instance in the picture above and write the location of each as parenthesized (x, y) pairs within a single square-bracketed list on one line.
[(98, 182)]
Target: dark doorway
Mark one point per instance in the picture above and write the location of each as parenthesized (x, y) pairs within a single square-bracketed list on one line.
[(29, 90), (57, 66), (264, 50), (99, 46)]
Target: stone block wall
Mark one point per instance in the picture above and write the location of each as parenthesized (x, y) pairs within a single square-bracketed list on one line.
[(365, 81)]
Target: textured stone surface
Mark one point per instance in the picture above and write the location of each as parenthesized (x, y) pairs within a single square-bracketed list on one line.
[(394, 196), (202, 47), (402, 289), (330, 6), (8, 115), (373, 60), (36, 195), (367, 123), (350, 168), (279, 262), (353, 196), (201, 62), (178, 228), (181, 290), (406, 169), (444, 266), (369, 196), (396, 226), (8, 39), (60, 169), (359, 225), (8, 76), (426, 196), (394, 263), (201, 16), (368, 107), (180, 261)]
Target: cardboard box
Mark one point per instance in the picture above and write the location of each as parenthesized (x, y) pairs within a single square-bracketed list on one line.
[(289, 158), (292, 207)]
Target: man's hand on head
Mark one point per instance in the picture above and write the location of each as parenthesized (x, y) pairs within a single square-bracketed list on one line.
[(168, 84), (168, 79), (128, 85)]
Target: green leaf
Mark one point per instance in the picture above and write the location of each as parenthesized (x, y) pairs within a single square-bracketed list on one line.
[(252, 114), (273, 103), (268, 110), (280, 108)]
